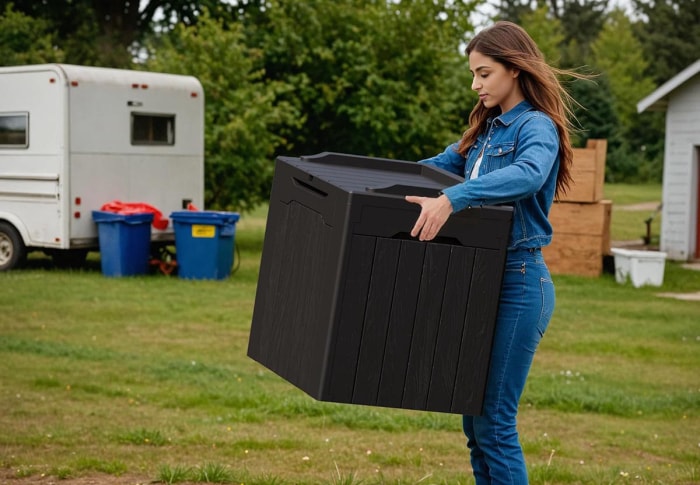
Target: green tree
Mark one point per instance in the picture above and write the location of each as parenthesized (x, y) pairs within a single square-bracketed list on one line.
[(372, 77), (617, 53), (243, 119), (514, 10), (107, 32), (580, 23), (24, 40), (670, 35), (595, 116), (546, 31), (76, 31)]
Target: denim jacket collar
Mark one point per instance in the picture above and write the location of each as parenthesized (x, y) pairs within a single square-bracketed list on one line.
[(513, 114)]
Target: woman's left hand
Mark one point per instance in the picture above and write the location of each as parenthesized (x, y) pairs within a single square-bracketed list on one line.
[(434, 213)]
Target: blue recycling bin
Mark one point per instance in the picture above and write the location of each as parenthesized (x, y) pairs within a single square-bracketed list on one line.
[(204, 242), (125, 242)]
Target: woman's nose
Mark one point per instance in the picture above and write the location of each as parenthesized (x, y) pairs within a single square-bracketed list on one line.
[(475, 84)]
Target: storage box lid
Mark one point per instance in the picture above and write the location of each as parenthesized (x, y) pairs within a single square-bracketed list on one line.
[(357, 174)]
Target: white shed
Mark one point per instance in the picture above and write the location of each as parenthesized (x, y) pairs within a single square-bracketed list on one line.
[(680, 216)]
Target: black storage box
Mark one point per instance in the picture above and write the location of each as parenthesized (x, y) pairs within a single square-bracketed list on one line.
[(351, 309)]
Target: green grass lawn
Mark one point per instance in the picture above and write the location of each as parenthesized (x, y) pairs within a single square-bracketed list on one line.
[(630, 225), (625, 194), (146, 379)]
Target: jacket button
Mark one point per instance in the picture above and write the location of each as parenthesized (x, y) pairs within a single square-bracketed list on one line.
[(500, 150)]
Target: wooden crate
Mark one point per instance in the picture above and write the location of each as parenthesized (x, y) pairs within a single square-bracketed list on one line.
[(574, 254), (581, 238), (588, 173)]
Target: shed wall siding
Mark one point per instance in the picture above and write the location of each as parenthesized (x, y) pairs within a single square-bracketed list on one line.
[(682, 136)]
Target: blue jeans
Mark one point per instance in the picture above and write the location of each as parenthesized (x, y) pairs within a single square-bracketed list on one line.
[(525, 308)]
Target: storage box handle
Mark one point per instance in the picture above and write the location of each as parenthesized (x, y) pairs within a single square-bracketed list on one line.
[(404, 190), (310, 187), (452, 241)]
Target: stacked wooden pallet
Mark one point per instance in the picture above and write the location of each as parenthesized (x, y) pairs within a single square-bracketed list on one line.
[(581, 218)]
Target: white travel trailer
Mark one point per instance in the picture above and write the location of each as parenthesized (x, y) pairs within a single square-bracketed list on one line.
[(73, 138)]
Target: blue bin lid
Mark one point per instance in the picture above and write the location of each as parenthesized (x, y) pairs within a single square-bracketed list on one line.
[(218, 218), (105, 216)]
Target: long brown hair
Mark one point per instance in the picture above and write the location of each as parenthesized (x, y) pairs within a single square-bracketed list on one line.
[(509, 44)]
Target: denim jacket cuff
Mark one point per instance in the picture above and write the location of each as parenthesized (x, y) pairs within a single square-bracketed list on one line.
[(453, 194)]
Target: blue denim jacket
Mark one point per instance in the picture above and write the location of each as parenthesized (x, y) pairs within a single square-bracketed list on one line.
[(520, 165)]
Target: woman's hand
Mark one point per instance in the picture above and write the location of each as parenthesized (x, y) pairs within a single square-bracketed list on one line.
[(434, 213)]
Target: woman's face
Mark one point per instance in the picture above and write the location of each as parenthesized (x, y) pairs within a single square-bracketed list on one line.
[(495, 84)]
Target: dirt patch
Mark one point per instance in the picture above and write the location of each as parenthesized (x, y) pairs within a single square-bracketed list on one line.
[(685, 296), (642, 206), (681, 296), (6, 478), (695, 265)]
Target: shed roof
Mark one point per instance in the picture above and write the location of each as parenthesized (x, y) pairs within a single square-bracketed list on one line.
[(658, 100)]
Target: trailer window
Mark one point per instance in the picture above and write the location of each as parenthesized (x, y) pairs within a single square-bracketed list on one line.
[(150, 129), (14, 130)]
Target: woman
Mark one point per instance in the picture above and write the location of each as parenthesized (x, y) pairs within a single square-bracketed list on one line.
[(517, 151)]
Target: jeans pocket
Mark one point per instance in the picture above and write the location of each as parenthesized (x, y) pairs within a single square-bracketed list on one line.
[(548, 300)]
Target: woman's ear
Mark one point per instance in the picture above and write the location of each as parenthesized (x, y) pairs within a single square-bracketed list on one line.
[(515, 72)]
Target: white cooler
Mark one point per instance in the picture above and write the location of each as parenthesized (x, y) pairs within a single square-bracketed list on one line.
[(641, 267)]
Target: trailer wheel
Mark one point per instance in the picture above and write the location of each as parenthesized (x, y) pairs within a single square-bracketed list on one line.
[(12, 250)]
